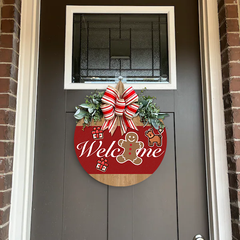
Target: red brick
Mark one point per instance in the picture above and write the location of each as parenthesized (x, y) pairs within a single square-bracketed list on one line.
[(234, 69), (7, 101), (237, 147), (16, 2), (235, 230), (234, 54), (6, 133), (235, 97), (10, 26), (7, 117), (236, 115), (233, 39), (8, 56), (236, 131), (6, 41), (4, 216), (9, 41), (235, 84), (230, 40), (4, 232), (10, 12), (5, 182), (5, 198), (6, 149), (231, 11), (233, 180), (232, 25), (8, 70), (7, 85), (6, 165)]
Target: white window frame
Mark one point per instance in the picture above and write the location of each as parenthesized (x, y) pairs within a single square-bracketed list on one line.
[(70, 10)]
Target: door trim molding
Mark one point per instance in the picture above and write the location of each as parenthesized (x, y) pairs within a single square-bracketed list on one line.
[(215, 145), (217, 181), (24, 142)]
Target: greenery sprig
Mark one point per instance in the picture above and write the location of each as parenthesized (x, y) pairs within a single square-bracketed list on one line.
[(91, 109), (148, 112)]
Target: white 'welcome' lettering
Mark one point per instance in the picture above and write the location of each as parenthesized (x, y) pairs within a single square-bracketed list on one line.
[(111, 151)]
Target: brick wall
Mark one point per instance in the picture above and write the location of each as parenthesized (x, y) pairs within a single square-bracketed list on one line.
[(230, 56), (9, 49)]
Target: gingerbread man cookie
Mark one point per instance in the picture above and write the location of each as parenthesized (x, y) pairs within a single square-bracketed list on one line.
[(130, 145)]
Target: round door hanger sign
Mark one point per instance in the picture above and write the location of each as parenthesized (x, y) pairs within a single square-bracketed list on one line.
[(120, 149)]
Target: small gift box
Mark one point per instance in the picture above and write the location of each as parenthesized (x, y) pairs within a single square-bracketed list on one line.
[(102, 165), (97, 133)]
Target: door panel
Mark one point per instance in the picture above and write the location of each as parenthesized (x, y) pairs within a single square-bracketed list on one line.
[(85, 202), (69, 204)]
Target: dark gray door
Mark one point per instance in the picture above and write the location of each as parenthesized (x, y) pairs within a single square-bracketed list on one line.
[(70, 205)]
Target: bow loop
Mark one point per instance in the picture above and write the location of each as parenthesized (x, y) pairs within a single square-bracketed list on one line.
[(108, 111), (110, 96), (123, 108), (129, 96), (131, 110)]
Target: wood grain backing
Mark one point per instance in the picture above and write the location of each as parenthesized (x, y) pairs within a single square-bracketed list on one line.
[(120, 180)]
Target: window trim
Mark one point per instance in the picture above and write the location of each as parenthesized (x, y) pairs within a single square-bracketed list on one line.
[(169, 10)]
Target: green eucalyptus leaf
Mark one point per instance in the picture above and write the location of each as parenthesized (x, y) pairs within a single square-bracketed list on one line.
[(162, 115), (85, 105), (90, 110), (155, 124), (80, 113), (95, 101), (149, 100), (144, 103)]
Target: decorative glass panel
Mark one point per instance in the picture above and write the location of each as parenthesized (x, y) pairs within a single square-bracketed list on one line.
[(107, 46)]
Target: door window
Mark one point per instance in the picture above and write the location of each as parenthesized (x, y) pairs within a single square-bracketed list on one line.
[(102, 48)]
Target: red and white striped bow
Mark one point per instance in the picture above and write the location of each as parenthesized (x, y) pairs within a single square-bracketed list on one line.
[(115, 107)]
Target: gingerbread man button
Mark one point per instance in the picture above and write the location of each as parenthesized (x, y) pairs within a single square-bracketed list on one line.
[(130, 146)]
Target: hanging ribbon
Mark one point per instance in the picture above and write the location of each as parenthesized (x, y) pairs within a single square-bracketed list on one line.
[(119, 107)]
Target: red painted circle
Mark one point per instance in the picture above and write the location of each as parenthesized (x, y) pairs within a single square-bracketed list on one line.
[(106, 154)]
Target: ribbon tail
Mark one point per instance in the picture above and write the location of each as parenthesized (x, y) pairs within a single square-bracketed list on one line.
[(105, 125), (131, 124), (123, 124), (113, 125)]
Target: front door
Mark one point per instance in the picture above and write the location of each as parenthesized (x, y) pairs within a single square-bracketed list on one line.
[(67, 202)]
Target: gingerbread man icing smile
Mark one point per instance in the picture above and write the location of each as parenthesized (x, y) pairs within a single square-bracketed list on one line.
[(130, 146)]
